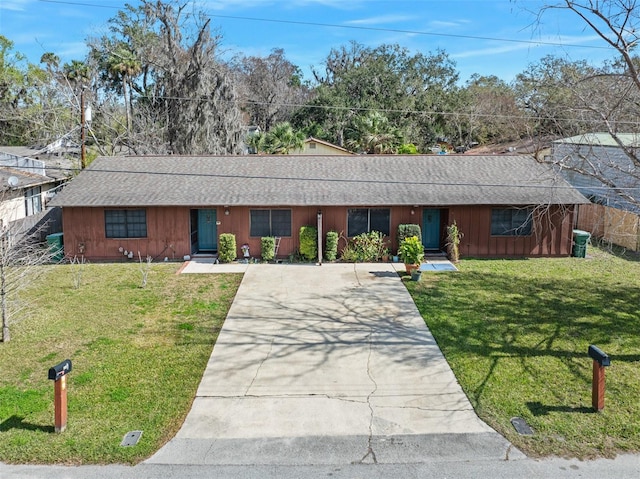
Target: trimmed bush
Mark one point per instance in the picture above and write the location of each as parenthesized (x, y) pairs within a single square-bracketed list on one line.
[(407, 231), (268, 248), (309, 242), (227, 247), (331, 248)]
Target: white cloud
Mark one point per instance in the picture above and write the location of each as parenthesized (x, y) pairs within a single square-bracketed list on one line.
[(530, 44), (448, 24), (291, 4), (15, 5), (380, 20)]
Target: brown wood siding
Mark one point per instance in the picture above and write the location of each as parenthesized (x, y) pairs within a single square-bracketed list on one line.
[(167, 234), (552, 233), (168, 231)]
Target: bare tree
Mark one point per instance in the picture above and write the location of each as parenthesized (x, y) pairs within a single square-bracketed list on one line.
[(604, 99), (270, 87), (181, 98), (21, 256)]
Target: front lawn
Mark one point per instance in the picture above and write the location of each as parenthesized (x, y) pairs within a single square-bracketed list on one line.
[(138, 356), (516, 334)]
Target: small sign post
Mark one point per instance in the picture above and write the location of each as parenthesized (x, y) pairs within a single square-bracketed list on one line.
[(58, 374)]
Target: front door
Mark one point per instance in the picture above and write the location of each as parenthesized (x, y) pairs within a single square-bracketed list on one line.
[(207, 231), (431, 228)]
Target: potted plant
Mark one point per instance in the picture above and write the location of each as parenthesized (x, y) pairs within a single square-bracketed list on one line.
[(411, 252)]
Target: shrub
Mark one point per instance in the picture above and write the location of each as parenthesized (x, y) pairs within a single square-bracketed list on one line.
[(331, 248), (268, 248), (366, 247), (453, 242), (407, 149), (227, 247), (309, 242), (407, 231)]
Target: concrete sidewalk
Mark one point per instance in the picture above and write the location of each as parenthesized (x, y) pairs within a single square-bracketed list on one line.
[(328, 364)]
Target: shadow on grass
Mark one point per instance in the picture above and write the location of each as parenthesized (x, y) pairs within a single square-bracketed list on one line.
[(539, 409), (499, 315), (17, 422)]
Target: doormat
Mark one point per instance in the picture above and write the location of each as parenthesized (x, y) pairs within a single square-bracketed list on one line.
[(439, 266)]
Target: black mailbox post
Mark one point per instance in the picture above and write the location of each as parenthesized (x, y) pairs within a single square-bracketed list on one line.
[(600, 361), (58, 374)]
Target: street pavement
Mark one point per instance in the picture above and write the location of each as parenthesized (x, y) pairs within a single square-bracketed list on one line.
[(329, 371)]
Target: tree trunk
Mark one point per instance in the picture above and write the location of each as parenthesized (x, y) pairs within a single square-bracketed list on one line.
[(6, 334)]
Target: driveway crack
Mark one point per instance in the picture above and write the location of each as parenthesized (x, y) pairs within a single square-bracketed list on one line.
[(370, 452), (246, 393)]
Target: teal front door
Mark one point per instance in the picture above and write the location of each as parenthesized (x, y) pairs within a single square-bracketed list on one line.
[(207, 231), (431, 228)]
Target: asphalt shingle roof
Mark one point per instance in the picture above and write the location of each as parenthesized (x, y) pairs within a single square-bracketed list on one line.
[(366, 180)]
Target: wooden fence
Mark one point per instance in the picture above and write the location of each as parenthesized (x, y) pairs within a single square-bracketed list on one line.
[(612, 225)]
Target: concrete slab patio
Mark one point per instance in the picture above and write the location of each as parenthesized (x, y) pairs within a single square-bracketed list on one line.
[(328, 364)]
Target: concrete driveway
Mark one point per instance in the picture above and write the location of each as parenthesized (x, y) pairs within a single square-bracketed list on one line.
[(328, 364)]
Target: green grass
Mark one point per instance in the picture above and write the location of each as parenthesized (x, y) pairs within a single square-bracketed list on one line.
[(516, 334), (138, 356)]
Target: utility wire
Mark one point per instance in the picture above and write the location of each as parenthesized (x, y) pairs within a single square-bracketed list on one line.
[(359, 27), (241, 102), (331, 180)]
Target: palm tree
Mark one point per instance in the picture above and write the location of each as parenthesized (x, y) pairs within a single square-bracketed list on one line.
[(282, 139), (256, 142), (373, 134), (51, 60), (77, 73), (124, 65)]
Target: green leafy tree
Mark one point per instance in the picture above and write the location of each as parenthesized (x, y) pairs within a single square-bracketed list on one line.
[(408, 89)]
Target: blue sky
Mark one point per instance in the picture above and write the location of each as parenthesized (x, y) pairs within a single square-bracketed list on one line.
[(474, 33)]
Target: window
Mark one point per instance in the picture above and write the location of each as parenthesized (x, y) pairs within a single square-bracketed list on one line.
[(125, 223), (511, 221), (270, 223), (365, 220), (33, 200)]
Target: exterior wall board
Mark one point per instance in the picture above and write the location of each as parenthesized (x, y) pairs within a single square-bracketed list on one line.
[(168, 231)]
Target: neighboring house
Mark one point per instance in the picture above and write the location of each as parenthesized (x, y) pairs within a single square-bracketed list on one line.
[(28, 183), (313, 146), (601, 155), (172, 206)]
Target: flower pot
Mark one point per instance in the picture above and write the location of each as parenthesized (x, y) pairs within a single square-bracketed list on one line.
[(409, 267), (416, 274)]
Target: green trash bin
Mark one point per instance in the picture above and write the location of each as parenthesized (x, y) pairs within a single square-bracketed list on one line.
[(56, 245), (580, 240)]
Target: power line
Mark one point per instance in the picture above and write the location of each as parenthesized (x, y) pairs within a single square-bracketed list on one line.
[(241, 102), (334, 180), (358, 27)]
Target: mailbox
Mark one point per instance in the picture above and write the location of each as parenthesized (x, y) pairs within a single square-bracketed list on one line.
[(598, 355), (59, 370)]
